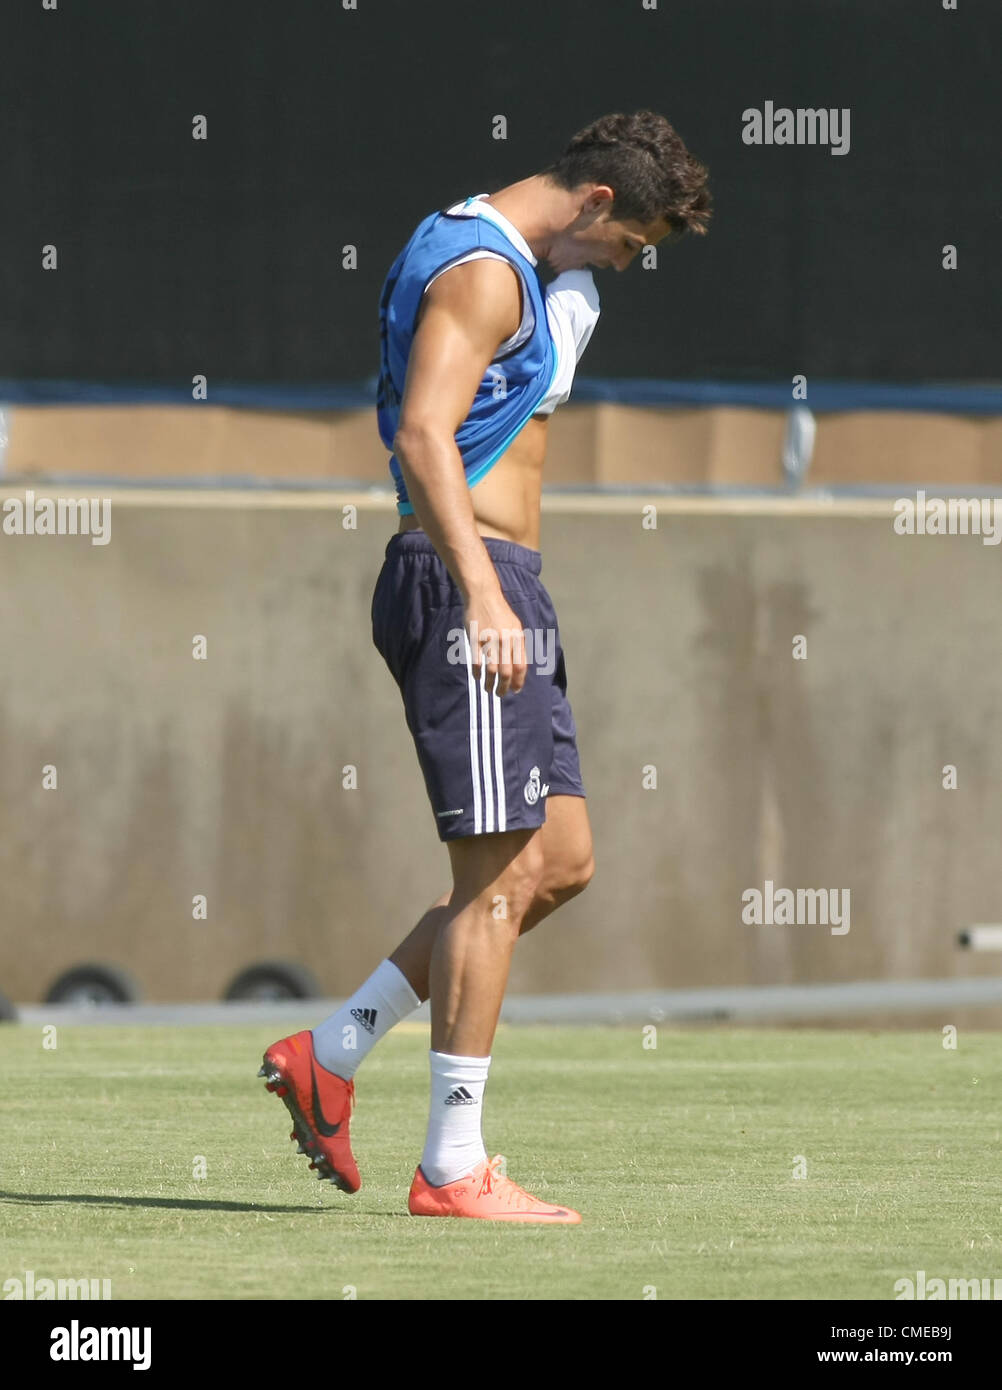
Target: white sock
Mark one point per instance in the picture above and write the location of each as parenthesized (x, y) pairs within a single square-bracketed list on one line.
[(343, 1041), (454, 1145)]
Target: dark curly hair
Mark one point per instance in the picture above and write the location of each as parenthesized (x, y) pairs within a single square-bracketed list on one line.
[(644, 161)]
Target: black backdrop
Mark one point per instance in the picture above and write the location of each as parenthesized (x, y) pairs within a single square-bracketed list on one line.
[(329, 126)]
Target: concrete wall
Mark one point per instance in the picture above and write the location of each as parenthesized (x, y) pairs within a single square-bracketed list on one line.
[(587, 444), (179, 777)]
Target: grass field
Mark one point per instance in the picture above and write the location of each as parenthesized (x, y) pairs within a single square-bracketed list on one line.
[(681, 1160)]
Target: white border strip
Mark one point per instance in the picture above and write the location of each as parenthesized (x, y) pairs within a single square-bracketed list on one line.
[(554, 503)]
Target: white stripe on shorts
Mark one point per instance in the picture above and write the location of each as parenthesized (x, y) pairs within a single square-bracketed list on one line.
[(490, 742), (485, 749), (474, 770), (499, 766)]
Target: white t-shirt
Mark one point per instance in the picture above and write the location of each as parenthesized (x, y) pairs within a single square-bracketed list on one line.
[(572, 304)]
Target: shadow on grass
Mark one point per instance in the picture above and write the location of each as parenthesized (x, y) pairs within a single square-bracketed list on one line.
[(99, 1199)]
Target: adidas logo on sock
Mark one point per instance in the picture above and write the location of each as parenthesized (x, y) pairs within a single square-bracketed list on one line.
[(460, 1096), (366, 1017)]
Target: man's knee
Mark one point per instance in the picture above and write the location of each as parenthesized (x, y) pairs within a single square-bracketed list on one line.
[(506, 885), (520, 886), (567, 878)]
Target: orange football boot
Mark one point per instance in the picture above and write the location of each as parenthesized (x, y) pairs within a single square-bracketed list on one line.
[(320, 1104), (484, 1193)]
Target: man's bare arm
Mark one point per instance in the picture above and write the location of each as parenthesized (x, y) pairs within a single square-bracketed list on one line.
[(466, 314)]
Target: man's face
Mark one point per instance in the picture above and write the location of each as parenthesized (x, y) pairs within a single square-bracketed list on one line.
[(596, 239)]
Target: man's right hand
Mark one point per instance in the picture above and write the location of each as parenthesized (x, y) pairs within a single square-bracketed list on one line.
[(497, 643)]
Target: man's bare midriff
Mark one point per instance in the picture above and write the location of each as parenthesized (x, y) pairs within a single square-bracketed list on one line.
[(506, 501)]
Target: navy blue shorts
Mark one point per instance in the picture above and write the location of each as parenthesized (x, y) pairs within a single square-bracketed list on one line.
[(489, 761)]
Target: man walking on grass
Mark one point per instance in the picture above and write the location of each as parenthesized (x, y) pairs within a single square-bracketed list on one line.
[(475, 355)]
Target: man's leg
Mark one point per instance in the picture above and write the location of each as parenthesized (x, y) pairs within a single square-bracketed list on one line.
[(459, 954), (565, 839), (344, 1040), (568, 857), (496, 879), (413, 956)]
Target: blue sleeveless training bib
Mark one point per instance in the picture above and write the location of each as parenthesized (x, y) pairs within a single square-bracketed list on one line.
[(514, 383)]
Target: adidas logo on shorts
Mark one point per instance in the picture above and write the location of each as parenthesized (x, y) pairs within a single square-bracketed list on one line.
[(460, 1096), (366, 1017)]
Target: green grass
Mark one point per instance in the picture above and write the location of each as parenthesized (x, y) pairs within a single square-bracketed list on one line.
[(681, 1161)]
